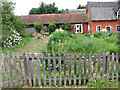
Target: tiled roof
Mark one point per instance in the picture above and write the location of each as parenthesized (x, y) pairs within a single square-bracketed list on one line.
[(102, 10), (59, 18)]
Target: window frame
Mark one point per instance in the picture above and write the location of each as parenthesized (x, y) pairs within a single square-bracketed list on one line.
[(98, 26), (110, 28), (116, 27), (81, 28), (118, 14)]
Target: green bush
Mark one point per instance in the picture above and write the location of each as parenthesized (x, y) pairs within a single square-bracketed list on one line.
[(51, 27), (102, 34), (97, 81), (38, 27), (66, 26)]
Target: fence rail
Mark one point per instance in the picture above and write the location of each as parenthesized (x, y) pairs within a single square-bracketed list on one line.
[(40, 70)]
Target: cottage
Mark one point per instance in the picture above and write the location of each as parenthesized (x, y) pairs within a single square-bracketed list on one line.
[(97, 17), (79, 21), (103, 15)]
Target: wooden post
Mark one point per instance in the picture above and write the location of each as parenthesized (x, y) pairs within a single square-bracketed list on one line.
[(80, 68), (112, 66), (94, 63), (99, 58), (117, 66), (65, 69), (49, 69), (59, 59), (85, 69), (90, 58), (69, 69), (39, 69), (1, 76), (25, 68), (75, 69), (103, 68), (108, 62), (54, 65), (44, 74)]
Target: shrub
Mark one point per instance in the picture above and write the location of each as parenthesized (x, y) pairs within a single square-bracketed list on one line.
[(99, 34), (38, 27), (51, 27), (10, 39), (97, 81), (66, 26)]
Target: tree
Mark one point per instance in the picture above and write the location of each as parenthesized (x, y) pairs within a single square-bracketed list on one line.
[(81, 7), (38, 27), (51, 27), (46, 9), (66, 26)]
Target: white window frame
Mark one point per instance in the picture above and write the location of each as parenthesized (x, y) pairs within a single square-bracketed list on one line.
[(98, 26), (118, 13), (81, 28), (108, 26), (116, 27)]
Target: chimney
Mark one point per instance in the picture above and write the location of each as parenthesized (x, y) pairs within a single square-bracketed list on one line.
[(67, 11)]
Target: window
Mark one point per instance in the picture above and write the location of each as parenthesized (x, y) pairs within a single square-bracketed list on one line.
[(108, 28), (98, 28), (118, 28), (78, 28), (118, 14)]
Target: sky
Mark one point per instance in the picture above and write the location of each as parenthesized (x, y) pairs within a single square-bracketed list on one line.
[(23, 7)]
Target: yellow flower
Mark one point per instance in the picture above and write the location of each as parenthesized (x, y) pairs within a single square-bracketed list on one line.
[(50, 35)]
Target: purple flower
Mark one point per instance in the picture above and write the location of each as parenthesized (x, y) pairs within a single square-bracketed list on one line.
[(89, 79), (52, 42), (59, 41), (95, 80), (105, 75), (69, 41), (65, 41), (101, 81)]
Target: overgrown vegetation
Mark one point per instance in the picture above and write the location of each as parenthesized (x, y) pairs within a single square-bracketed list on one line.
[(51, 27), (38, 27), (66, 26)]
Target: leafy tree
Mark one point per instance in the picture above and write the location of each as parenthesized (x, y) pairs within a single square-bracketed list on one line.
[(33, 11), (66, 26), (9, 20), (51, 27), (46, 9), (81, 7), (38, 27)]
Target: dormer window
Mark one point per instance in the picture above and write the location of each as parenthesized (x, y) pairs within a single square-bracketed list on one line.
[(118, 14)]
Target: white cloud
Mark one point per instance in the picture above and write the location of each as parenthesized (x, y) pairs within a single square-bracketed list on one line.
[(23, 6)]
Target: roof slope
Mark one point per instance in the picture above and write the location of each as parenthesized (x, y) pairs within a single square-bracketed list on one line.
[(102, 10), (59, 18), (77, 11)]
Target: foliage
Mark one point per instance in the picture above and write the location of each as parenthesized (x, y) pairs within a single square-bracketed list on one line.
[(55, 37), (97, 81), (51, 27), (99, 34), (10, 21), (66, 26), (82, 7), (46, 9), (38, 27), (11, 40)]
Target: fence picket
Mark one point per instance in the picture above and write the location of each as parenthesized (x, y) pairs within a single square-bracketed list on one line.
[(33, 65), (112, 66), (1, 76), (44, 74), (20, 69), (54, 65), (65, 69), (59, 59), (9, 64), (69, 69), (25, 68), (117, 65), (5, 69), (39, 69), (85, 69), (49, 69), (108, 62), (99, 58), (14, 61), (103, 68), (80, 68), (28, 67), (75, 69), (90, 58), (94, 63)]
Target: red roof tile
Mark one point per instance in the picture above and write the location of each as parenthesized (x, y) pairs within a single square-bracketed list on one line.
[(59, 18)]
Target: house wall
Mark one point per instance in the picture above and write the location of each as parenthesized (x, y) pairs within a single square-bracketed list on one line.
[(103, 25), (85, 28)]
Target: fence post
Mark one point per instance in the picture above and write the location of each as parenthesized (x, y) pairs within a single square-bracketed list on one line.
[(1, 77), (25, 68)]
